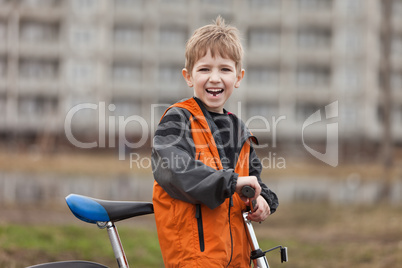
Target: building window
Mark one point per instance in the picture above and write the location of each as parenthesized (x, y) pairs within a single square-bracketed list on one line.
[(348, 114), (265, 109), (304, 110), (351, 41), (313, 76), (263, 38), (397, 115), (38, 69), (3, 68), (314, 38), (3, 32), (351, 8), (349, 77), (33, 31), (40, 3), (170, 75), (82, 72), (174, 2), (172, 36), (396, 81), (263, 4), (311, 5), (263, 76), (217, 2), (126, 72), (126, 107), (37, 107), (261, 117), (128, 4), (3, 106), (396, 45), (127, 35), (396, 8), (85, 37), (86, 6)]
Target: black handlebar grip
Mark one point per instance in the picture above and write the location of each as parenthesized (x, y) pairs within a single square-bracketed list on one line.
[(248, 191)]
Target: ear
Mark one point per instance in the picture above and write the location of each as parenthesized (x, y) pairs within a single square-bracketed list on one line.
[(239, 78), (187, 76)]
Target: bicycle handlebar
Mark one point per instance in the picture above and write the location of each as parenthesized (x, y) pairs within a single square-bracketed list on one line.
[(248, 191)]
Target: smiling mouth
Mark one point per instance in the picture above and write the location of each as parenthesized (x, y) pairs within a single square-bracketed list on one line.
[(214, 92)]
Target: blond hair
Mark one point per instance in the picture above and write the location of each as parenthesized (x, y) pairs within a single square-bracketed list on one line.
[(218, 38)]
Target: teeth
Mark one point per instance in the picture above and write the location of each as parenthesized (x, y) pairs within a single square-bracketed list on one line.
[(214, 90)]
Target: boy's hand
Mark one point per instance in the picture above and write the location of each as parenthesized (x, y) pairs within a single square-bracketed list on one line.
[(251, 181), (261, 212)]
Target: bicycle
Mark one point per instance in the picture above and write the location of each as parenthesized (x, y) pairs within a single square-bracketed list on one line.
[(104, 213)]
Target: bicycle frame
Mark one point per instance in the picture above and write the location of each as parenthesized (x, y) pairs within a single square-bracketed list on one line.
[(257, 255), (260, 262), (116, 244), (105, 213)]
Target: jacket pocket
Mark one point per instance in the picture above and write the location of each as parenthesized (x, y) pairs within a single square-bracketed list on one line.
[(198, 216)]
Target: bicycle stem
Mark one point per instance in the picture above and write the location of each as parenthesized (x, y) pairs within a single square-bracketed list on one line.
[(260, 262), (116, 245)]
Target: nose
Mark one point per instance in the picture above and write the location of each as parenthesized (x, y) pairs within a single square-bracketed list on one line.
[(214, 77)]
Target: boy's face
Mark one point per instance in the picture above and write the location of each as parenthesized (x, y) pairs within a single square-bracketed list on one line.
[(213, 79)]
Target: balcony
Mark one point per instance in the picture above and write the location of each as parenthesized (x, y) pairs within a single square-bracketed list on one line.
[(3, 36), (129, 10), (42, 75), (38, 38), (127, 41), (126, 77), (37, 113), (3, 74), (314, 45), (313, 77)]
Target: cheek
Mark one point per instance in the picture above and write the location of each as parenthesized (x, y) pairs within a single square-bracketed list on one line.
[(232, 82), (200, 80)]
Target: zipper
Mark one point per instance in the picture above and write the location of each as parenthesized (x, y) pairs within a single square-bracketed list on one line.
[(198, 216), (230, 231)]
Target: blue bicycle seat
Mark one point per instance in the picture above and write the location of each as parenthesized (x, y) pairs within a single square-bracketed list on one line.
[(96, 210)]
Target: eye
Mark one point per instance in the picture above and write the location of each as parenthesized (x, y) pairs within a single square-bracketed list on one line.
[(226, 69), (203, 70)]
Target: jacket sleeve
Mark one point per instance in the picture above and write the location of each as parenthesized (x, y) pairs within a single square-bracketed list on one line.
[(178, 172), (255, 170)]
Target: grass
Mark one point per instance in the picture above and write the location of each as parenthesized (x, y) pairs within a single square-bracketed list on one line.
[(317, 235), (38, 244), (321, 235)]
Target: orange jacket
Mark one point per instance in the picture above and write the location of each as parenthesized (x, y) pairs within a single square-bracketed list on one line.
[(195, 235)]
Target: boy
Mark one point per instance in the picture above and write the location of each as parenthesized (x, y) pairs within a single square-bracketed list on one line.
[(202, 157)]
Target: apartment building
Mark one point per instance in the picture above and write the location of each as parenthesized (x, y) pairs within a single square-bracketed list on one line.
[(101, 66)]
